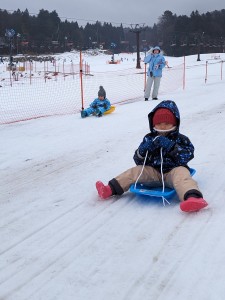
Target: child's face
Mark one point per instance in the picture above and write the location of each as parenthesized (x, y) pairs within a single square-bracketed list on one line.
[(101, 98), (163, 126)]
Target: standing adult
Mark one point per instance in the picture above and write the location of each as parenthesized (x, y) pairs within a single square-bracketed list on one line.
[(156, 63)]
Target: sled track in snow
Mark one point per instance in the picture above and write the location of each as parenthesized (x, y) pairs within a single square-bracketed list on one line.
[(159, 272), (69, 233), (54, 253)]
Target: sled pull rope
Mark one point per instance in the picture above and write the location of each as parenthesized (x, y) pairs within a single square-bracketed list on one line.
[(163, 183), (146, 155), (164, 200), (141, 169)]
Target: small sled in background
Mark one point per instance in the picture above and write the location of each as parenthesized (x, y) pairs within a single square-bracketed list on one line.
[(109, 111), (97, 113), (155, 192)]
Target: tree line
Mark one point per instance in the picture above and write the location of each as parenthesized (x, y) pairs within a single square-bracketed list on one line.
[(46, 33)]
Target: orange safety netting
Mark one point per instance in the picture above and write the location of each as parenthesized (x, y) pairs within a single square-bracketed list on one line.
[(57, 91)]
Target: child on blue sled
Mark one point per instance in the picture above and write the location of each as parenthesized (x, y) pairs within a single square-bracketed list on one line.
[(164, 153), (98, 106)]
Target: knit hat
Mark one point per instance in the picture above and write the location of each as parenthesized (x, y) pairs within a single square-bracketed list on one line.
[(163, 115), (101, 92)]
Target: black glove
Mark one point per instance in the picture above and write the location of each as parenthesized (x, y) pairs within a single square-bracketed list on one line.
[(105, 105)]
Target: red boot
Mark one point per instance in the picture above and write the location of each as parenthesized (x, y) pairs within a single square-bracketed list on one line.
[(193, 204), (104, 191)]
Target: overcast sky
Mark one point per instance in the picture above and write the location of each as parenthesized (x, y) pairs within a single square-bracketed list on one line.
[(125, 11)]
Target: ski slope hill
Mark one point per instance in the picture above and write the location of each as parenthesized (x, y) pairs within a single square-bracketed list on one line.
[(60, 241)]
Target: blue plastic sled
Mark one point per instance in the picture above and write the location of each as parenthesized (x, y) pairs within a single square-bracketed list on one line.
[(146, 190)]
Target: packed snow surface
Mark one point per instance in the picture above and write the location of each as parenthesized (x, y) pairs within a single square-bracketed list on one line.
[(60, 241)]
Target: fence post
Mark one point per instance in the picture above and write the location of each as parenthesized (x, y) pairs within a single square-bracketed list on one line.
[(221, 70), (72, 69), (206, 71), (81, 81), (145, 77), (63, 70), (30, 72), (184, 74), (44, 72), (56, 74), (10, 75)]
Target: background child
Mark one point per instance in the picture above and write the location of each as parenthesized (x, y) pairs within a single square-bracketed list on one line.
[(156, 63), (98, 106), (164, 148)]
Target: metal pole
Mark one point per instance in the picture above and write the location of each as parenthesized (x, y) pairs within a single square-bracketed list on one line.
[(137, 30), (198, 49), (138, 66)]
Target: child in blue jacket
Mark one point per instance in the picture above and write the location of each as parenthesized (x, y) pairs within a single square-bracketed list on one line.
[(165, 154), (98, 106)]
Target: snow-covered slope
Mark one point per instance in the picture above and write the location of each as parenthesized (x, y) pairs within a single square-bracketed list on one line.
[(60, 241)]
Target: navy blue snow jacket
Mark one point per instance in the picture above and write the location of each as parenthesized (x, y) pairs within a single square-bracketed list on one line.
[(181, 152)]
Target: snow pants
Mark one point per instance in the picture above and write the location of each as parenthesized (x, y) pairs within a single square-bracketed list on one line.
[(150, 81), (178, 178), (96, 111)]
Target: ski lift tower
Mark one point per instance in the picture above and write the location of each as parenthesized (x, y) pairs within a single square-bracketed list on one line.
[(199, 42), (137, 29), (9, 33)]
